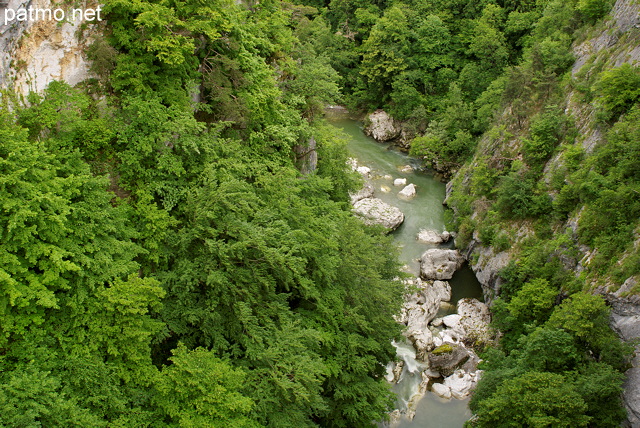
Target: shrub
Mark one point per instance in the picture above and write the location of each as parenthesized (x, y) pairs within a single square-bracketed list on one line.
[(619, 89)]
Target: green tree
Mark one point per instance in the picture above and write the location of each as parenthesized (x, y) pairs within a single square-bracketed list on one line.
[(533, 399), (30, 397), (619, 89), (586, 318), (548, 350), (199, 389)]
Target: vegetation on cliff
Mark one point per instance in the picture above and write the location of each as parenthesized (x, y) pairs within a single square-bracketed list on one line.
[(485, 89), (165, 263)]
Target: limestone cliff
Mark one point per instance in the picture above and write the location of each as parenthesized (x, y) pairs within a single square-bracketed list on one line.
[(601, 47), (36, 52)]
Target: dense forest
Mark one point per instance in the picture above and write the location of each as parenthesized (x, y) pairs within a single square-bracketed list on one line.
[(168, 259)]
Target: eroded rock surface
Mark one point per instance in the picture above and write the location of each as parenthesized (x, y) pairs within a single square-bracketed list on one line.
[(408, 192), (439, 263), (446, 358), (367, 191), (419, 309), (426, 236), (381, 127), (375, 211)]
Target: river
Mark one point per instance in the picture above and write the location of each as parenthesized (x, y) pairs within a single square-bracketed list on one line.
[(425, 211)]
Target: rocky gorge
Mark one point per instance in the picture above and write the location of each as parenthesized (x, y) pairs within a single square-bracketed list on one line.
[(442, 334), (488, 261)]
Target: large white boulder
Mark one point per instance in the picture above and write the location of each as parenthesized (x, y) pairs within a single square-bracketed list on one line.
[(474, 320), (408, 192), (440, 263), (452, 321), (375, 211), (380, 126), (462, 383), (441, 390), (365, 171), (429, 236), (400, 182)]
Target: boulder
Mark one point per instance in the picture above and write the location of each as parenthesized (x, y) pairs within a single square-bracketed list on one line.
[(443, 289), (441, 390), (399, 182), (428, 236), (406, 169), (447, 357), (365, 171), (380, 126), (461, 383), (474, 320), (367, 191), (419, 309), (375, 211), (437, 322), (352, 163), (452, 321), (440, 263), (408, 192), (385, 189)]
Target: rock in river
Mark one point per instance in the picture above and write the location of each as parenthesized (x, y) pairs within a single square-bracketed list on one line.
[(408, 192), (440, 263), (419, 309), (427, 236), (447, 357), (375, 211), (380, 126), (474, 320), (461, 383)]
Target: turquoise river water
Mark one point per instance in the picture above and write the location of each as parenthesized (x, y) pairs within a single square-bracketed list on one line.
[(425, 211)]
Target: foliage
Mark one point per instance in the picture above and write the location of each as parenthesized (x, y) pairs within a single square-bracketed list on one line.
[(618, 89), (200, 389), (533, 399), (517, 197)]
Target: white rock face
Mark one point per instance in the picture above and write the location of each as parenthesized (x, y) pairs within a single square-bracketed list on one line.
[(381, 126), (474, 320), (367, 191), (408, 192), (440, 263), (441, 390), (400, 182), (419, 309), (375, 211), (428, 236), (364, 171), (452, 321), (462, 383), (47, 50)]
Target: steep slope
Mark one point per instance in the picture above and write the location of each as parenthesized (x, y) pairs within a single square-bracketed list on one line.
[(513, 208), (37, 52)]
